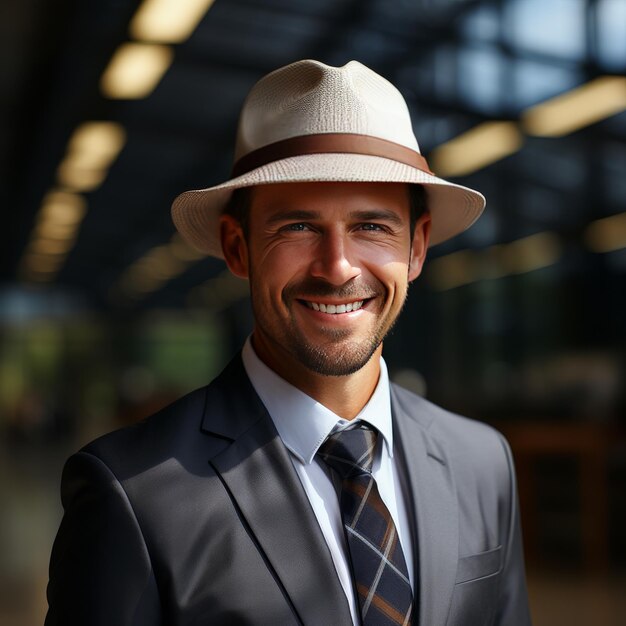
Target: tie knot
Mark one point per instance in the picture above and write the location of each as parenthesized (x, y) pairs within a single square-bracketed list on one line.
[(350, 452)]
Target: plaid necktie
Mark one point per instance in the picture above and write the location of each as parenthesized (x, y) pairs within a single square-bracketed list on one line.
[(378, 565)]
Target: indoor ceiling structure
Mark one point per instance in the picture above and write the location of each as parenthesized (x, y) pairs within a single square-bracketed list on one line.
[(110, 108)]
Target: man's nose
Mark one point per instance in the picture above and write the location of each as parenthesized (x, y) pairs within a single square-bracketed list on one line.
[(333, 261)]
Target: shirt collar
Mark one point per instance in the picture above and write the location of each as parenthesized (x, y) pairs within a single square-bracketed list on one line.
[(303, 423)]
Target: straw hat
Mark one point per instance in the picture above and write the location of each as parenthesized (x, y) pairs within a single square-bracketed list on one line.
[(311, 122)]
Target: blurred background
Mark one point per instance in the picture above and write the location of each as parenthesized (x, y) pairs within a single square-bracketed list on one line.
[(110, 108)]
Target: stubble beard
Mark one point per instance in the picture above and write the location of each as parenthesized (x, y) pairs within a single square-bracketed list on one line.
[(339, 355)]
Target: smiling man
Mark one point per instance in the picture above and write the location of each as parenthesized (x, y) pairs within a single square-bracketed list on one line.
[(301, 486), (329, 266)]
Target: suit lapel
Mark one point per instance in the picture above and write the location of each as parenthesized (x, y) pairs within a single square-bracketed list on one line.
[(258, 472), (435, 511)]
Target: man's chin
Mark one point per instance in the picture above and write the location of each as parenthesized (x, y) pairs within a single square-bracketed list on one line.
[(337, 360)]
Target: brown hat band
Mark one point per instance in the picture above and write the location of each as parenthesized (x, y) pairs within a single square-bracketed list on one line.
[(330, 143)]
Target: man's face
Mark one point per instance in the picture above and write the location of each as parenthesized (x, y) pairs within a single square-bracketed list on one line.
[(329, 266)]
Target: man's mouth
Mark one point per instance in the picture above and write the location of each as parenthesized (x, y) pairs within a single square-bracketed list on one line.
[(334, 309)]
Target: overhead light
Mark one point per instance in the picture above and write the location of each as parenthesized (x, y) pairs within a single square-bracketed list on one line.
[(453, 270), (168, 21), (91, 150), (54, 234), (48, 229), (585, 105), (42, 263), (531, 253), (517, 257), (136, 284), (81, 180), (607, 234), (159, 263), (155, 268), (51, 246), (135, 70), (95, 144), (485, 144), (63, 207), (218, 292), (183, 251)]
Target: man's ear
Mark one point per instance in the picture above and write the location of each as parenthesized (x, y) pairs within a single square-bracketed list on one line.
[(234, 246), (419, 245)]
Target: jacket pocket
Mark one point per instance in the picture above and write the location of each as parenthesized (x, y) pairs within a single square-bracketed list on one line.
[(481, 565)]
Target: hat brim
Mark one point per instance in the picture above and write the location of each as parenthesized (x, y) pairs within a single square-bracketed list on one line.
[(453, 208)]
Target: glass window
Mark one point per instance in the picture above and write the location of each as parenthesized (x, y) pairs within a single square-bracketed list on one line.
[(554, 27), (611, 19), (480, 78), (482, 23), (535, 82)]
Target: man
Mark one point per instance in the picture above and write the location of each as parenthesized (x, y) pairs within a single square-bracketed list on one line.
[(300, 486)]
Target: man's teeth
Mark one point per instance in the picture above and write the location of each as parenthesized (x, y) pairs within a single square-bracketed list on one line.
[(335, 308)]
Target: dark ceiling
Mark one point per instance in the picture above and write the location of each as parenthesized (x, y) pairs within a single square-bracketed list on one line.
[(458, 62)]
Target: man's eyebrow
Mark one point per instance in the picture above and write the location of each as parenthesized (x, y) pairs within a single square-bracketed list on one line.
[(369, 215), (293, 214), (373, 215)]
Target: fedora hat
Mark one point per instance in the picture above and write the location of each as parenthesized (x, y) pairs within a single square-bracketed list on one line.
[(310, 122)]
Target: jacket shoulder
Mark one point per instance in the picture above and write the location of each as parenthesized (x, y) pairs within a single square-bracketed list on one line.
[(168, 437), (162, 428), (188, 432), (463, 437)]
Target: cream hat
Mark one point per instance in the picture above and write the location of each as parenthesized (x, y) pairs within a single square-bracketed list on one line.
[(311, 122)]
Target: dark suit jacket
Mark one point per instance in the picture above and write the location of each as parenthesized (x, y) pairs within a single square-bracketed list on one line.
[(197, 516)]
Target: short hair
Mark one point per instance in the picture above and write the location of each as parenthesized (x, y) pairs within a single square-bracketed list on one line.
[(417, 205), (238, 206)]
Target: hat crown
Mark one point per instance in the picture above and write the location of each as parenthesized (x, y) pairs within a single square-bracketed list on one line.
[(310, 122), (309, 97)]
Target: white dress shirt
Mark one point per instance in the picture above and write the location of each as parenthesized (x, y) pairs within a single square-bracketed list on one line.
[(303, 424)]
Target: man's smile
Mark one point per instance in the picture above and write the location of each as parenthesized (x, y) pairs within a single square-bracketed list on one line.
[(334, 309)]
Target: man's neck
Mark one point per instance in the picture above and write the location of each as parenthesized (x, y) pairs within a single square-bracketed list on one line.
[(343, 395)]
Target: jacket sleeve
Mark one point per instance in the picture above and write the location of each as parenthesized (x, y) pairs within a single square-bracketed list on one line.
[(100, 569), (513, 609)]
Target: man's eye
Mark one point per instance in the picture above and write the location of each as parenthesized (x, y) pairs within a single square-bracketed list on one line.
[(370, 226), (298, 227)]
